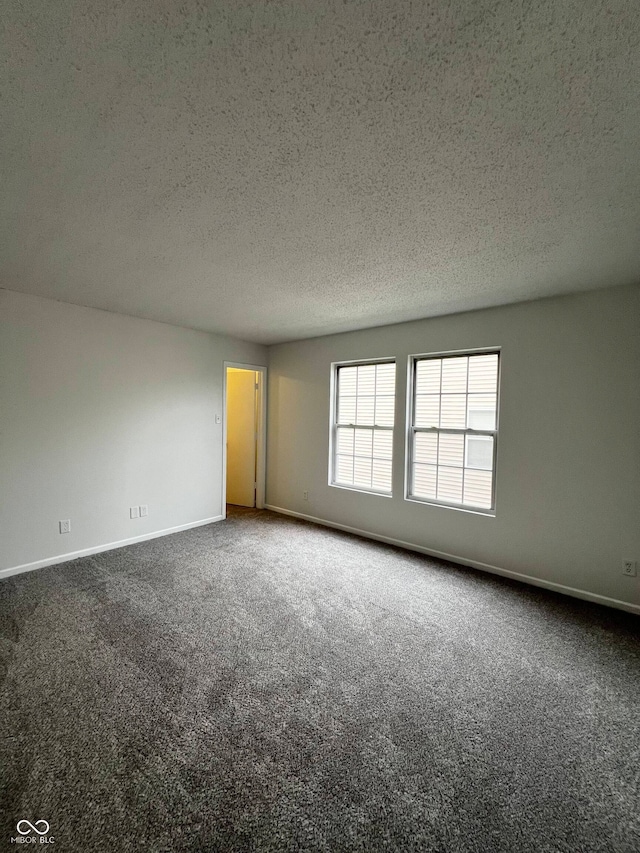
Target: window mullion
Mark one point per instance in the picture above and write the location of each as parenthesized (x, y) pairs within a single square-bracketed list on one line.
[(364, 426), (453, 431)]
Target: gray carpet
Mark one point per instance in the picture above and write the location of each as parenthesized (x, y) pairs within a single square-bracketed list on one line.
[(264, 684)]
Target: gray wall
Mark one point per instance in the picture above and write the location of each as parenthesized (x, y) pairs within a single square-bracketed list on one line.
[(568, 475), (99, 412)]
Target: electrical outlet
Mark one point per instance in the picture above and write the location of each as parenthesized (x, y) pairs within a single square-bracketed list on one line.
[(134, 511), (65, 526), (629, 568), (144, 510), (305, 496), (218, 419)]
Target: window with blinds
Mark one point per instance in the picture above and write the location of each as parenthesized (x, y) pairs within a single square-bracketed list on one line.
[(364, 407), (453, 431)]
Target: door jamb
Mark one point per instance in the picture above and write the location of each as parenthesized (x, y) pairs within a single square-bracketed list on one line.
[(261, 432)]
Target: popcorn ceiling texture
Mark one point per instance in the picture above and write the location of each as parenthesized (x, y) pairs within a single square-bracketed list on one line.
[(288, 169)]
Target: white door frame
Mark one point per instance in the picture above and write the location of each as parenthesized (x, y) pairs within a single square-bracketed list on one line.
[(261, 432)]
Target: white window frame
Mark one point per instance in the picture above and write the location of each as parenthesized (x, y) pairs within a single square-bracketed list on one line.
[(411, 430), (333, 424)]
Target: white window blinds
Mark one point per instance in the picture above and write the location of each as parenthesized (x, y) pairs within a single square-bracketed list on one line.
[(454, 430), (363, 426)]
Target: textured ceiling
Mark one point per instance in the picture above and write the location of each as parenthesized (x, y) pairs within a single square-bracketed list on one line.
[(277, 170)]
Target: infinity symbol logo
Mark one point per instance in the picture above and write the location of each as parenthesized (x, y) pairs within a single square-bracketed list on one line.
[(32, 827)]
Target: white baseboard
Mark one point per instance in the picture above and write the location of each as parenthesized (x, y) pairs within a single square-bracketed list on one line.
[(465, 561), (98, 549)]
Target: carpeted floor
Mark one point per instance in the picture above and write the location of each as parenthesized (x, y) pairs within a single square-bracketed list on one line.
[(263, 684)]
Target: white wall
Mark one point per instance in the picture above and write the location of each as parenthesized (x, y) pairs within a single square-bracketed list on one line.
[(568, 473), (99, 412)]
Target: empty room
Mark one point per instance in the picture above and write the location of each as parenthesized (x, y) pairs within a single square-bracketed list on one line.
[(320, 426)]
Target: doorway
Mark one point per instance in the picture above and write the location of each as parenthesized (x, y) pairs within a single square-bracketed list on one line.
[(244, 435)]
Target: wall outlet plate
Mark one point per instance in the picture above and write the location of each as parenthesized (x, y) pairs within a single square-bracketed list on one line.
[(629, 568), (134, 511), (65, 526), (305, 496), (144, 510)]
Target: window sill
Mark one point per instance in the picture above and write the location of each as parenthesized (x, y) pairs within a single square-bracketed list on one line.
[(361, 491), (487, 513)]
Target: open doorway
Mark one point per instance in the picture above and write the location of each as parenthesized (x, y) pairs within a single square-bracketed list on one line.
[(244, 442)]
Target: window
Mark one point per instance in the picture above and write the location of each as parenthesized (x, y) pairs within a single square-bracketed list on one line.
[(362, 426), (453, 430)]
